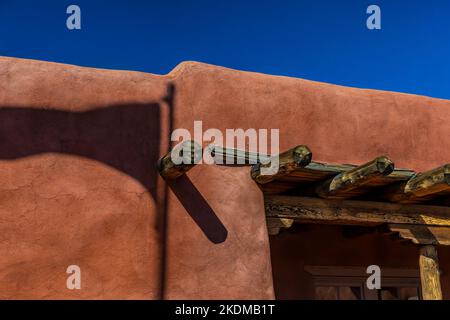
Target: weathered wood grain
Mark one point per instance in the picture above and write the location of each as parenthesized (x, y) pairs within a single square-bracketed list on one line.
[(422, 234), (355, 181), (275, 224), (422, 187), (191, 153), (352, 212), (288, 161), (429, 273), (227, 156), (316, 172)]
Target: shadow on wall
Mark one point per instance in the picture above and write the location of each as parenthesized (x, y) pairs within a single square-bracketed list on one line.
[(199, 209), (126, 137)]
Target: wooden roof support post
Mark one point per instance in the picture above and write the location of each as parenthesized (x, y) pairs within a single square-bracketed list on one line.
[(429, 273), (290, 160), (348, 184), (190, 152), (423, 186)]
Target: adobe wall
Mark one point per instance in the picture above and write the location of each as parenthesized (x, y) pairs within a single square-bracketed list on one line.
[(78, 148)]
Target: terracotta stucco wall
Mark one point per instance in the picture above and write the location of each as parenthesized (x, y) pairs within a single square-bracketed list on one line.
[(78, 148)]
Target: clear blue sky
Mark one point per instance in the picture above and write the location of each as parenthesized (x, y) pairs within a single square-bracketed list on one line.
[(315, 39)]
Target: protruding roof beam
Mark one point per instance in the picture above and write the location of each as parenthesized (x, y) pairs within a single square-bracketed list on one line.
[(423, 186), (189, 153), (351, 183), (288, 161)]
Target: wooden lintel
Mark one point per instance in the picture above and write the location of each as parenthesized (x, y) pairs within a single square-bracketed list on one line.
[(429, 273), (422, 234), (352, 212), (424, 186), (188, 154), (351, 183), (283, 164), (275, 224)]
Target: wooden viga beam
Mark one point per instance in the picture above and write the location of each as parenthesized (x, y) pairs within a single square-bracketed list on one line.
[(283, 164), (180, 159), (355, 181), (421, 187)]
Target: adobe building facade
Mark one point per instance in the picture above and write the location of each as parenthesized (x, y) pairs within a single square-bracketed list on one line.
[(79, 149)]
